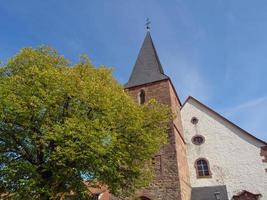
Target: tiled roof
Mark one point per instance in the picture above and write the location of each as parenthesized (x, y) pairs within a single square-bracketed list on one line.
[(147, 68)]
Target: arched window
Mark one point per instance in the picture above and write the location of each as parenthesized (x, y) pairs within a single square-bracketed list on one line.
[(202, 168), (96, 196), (141, 97)]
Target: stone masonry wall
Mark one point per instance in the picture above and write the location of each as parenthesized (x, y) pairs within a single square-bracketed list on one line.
[(183, 170), (172, 180)]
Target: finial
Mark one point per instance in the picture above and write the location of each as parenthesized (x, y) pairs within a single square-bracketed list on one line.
[(148, 22)]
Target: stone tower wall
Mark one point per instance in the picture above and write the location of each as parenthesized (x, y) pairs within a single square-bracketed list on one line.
[(180, 145), (172, 178)]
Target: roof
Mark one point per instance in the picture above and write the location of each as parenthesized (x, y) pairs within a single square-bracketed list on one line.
[(147, 67), (208, 193), (223, 118), (246, 193)]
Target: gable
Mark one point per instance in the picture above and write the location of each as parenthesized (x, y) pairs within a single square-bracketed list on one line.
[(225, 122)]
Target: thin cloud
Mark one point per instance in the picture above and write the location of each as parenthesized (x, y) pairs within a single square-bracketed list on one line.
[(250, 115), (246, 105)]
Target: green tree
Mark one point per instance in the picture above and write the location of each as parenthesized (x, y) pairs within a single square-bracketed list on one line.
[(62, 125)]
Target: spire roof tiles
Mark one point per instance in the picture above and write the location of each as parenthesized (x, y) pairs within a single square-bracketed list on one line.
[(147, 68)]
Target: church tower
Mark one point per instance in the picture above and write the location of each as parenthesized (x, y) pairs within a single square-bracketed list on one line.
[(149, 81)]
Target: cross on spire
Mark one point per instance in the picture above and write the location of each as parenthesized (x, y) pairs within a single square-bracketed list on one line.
[(148, 22)]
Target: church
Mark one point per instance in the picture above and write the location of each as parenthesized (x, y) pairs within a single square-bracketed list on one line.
[(207, 157)]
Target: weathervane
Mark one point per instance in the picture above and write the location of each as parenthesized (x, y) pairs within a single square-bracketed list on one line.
[(148, 22)]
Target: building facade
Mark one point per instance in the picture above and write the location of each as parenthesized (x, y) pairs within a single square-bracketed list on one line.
[(207, 156), (234, 157)]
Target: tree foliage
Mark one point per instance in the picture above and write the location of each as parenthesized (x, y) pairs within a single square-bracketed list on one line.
[(62, 125)]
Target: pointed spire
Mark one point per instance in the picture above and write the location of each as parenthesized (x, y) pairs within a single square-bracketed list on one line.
[(147, 67)]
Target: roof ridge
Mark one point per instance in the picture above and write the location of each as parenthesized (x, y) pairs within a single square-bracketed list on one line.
[(156, 54)]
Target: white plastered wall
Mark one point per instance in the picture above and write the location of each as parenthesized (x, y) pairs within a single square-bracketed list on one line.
[(234, 156)]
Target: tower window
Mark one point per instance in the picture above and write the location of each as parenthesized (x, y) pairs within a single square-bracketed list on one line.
[(198, 139), (141, 97), (96, 196), (194, 120), (202, 168)]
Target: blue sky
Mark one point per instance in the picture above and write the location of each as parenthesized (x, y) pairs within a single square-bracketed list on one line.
[(214, 50)]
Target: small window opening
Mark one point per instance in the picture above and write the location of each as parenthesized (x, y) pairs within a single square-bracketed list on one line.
[(202, 168), (198, 140), (96, 196), (142, 97), (194, 120)]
